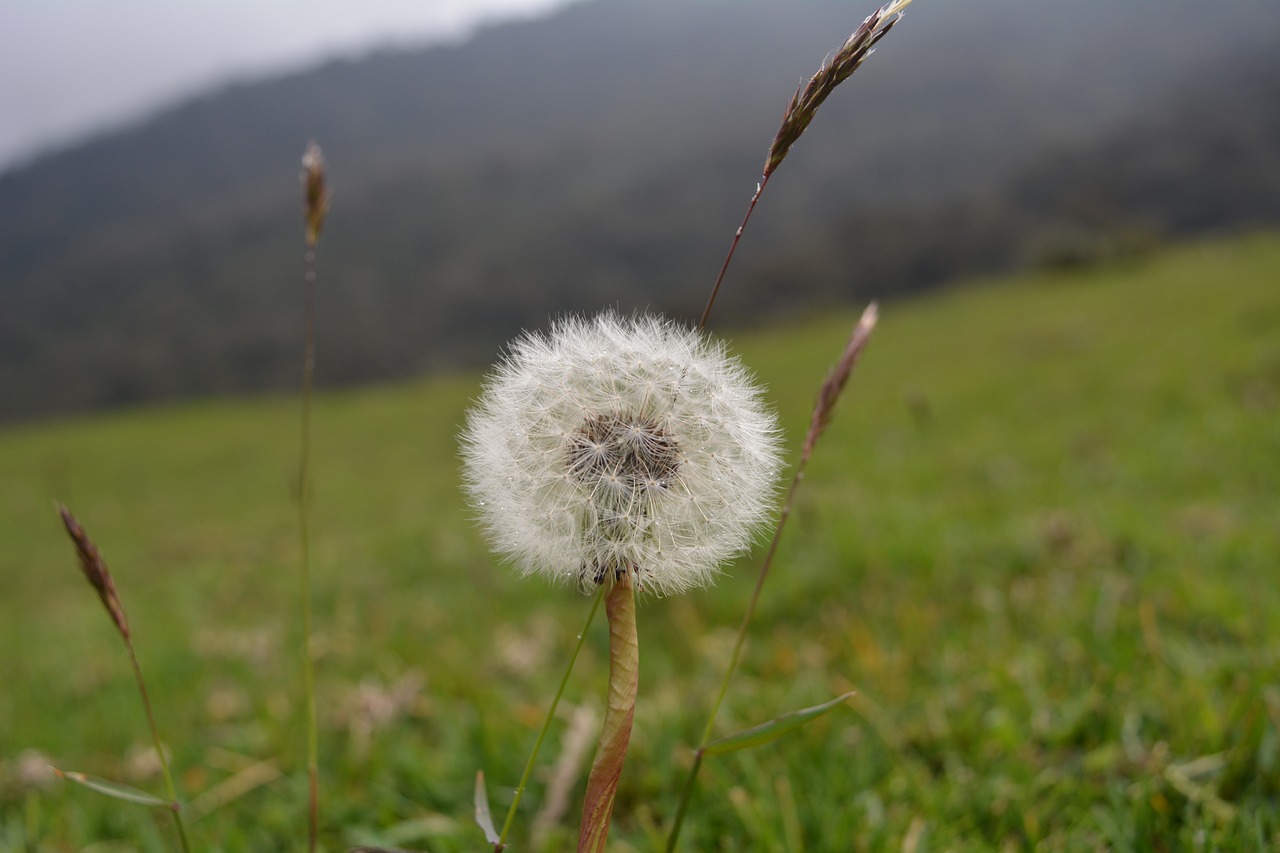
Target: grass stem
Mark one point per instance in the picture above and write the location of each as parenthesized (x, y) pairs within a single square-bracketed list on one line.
[(546, 723), (795, 120), (170, 791), (315, 209), (95, 571), (823, 410), (733, 247), (304, 544)]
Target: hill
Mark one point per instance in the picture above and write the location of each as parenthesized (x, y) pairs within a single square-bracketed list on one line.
[(600, 156), (1038, 540), (1202, 161)]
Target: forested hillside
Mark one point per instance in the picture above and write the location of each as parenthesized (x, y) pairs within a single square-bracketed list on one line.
[(603, 156)]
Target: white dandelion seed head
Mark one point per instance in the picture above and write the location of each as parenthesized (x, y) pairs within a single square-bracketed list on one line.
[(620, 444)]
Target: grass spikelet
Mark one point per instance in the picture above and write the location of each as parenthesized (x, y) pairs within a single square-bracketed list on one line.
[(95, 571), (802, 108), (834, 71), (315, 195), (834, 384)]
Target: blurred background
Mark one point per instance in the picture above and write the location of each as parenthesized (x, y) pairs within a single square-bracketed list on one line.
[(494, 162)]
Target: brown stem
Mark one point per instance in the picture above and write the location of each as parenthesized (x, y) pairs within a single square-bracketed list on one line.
[(733, 247), (624, 680)]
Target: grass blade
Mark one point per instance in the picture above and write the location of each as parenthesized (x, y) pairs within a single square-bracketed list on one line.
[(483, 816), (116, 790), (773, 729)]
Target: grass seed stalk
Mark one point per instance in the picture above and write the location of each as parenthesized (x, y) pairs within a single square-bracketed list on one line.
[(96, 572), (803, 106), (315, 208), (823, 411), (796, 118)]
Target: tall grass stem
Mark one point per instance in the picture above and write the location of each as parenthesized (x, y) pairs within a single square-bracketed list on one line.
[(95, 571), (315, 201), (733, 247), (823, 410), (170, 791), (304, 544), (546, 723), (799, 113)]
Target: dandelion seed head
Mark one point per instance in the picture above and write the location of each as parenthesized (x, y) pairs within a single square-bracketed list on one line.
[(620, 444)]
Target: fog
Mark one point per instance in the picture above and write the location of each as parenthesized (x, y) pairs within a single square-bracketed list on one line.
[(71, 67)]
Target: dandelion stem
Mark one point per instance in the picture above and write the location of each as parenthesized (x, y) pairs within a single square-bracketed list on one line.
[(546, 723), (822, 414), (620, 710)]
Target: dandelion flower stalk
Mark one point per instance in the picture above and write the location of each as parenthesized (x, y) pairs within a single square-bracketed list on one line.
[(803, 106), (620, 710), (315, 208), (96, 572)]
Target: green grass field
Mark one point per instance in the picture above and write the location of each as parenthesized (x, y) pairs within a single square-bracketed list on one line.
[(1041, 540)]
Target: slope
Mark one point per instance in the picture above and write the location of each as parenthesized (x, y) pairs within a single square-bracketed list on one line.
[(1039, 541)]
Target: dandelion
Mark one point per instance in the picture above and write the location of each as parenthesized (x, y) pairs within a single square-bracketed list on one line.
[(615, 446), (617, 453)]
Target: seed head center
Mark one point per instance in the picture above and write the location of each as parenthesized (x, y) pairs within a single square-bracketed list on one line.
[(623, 453)]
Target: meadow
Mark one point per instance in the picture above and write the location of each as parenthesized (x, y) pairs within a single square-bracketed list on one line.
[(1040, 540)]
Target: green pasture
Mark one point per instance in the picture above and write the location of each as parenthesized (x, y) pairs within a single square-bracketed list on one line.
[(1041, 540)]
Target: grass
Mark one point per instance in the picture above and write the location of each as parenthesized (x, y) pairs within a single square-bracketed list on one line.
[(1040, 540)]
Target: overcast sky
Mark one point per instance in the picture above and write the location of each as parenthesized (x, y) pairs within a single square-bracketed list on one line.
[(69, 67)]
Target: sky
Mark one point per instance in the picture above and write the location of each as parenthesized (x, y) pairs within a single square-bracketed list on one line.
[(71, 67)]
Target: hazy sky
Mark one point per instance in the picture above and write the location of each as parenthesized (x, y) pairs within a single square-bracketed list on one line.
[(68, 67)]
